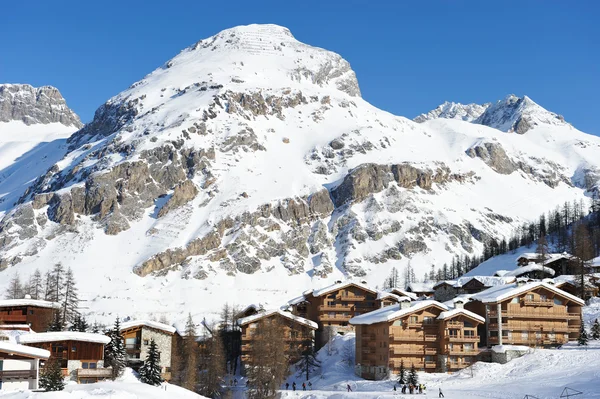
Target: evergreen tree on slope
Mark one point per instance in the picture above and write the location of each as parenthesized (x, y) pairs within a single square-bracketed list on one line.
[(402, 374), (114, 352), (150, 370), (413, 378), (596, 330), (583, 338), (51, 378)]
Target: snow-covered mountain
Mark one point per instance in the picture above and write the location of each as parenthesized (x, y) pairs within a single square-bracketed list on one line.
[(248, 168), (34, 126), (451, 110)]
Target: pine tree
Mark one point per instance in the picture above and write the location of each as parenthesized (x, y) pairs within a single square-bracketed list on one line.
[(15, 288), (308, 361), (583, 338), (189, 373), (69, 298), (596, 330), (36, 285), (115, 355), (150, 370), (80, 324), (96, 327), (51, 378), (413, 378), (57, 323), (542, 249), (402, 374), (55, 281)]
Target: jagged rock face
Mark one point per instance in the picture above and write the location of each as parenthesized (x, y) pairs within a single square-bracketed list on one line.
[(494, 156), (31, 105), (449, 110)]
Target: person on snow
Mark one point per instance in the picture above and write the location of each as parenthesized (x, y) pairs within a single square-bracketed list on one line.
[(304, 386), (287, 385), (294, 386), (404, 388), (310, 385), (441, 395), (235, 382), (349, 389), (394, 387), (420, 388)]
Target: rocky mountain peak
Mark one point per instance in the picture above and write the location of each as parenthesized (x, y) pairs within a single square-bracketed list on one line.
[(518, 114), (35, 105), (452, 110)]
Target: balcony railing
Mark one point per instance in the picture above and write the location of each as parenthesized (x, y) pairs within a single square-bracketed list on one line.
[(406, 351), (471, 352), (430, 365), (94, 373), (18, 374), (337, 308), (454, 323), (352, 297), (454, 338), (538, 302), (335, 317), (418, 338), (431, 351)]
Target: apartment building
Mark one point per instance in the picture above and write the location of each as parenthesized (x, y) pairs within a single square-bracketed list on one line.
[(298, 332), (427, 334), (533, 313)]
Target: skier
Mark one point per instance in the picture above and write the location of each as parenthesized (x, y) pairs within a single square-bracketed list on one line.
[(420, 388), (394, 387), (294, 386), (287, 386), (310, 385), (404, 388), (425, 389), (441, 394), (304, 386), (349, 389)]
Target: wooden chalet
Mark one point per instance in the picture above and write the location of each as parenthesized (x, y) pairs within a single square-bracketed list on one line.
[(36, 313), (19, 366), (528, 313), (426, 334), (448, 289), (560, 263), (138, 334), (421, 290), (298, 333), (81, 355)]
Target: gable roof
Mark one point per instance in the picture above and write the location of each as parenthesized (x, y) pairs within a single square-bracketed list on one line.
[(393, 312), (401, 292), (55, 336), (532, 267), (24, 350), (148, 323), (28, 302), (459, 311), (486, 281), (550, 258), (287, 315), (500, 293), (339, 286), (420, 287)]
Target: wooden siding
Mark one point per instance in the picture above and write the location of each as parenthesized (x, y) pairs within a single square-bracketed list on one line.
[(38, 318)]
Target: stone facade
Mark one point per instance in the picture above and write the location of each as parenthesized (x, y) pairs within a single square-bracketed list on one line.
[(163, 342)]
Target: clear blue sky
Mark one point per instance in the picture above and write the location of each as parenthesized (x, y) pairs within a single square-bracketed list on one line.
[(409, 56)]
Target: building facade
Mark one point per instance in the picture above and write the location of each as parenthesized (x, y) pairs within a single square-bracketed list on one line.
[(528, 313), (81, 355), (425, 334), (35, 313), (20, 366), (138, 335), (298, 333)]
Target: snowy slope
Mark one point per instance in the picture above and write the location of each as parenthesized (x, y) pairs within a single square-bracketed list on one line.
[(248, 169)]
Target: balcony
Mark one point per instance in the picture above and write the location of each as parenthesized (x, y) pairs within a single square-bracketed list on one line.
[(454, 323), (430, 365), (417, 338), (23, 374), (94, 373), (335, 308), (406, 351), (246, 348), (453, 338), (352, 298), (457, 352), (334, 317), (538, 302), (431, 351), (494, 326)]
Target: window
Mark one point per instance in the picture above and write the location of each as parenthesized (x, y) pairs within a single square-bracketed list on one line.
[(514, 300), (469, 333), (397, 323), (93, 365), (428, 320), (525, 335), (84, 365), (413, 319), (538, 335), (146, 342), (506, 334), (453, 332), (450, 346), (529, 297), (558, 301), (468, 347), (73, 349), (167, 369), (31, 311), (468, 324), (1, 365), (543, 297)]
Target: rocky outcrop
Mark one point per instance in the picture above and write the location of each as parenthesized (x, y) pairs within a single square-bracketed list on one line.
[(182, 194), (35, 105), (494, 156)]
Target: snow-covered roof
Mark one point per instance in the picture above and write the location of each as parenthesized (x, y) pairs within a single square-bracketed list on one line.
[(62, 336), (339, 286), (487, 281), (11, 348), (148, 323), (394, 312), (401, 292), (532, 267), (384, 294), (464, 298), (500, 293), (420, 287), (532, 256), (28, 302), (459, 311), (451, 283), (287, 315)]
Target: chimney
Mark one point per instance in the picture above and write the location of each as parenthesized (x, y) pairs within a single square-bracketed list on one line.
[(404, 303), (459, 303), (521, 282), (338, 281)]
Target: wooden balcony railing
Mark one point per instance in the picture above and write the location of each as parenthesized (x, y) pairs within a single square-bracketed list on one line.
[(431, 351), (463, 352), (413, 338), (335, 317), (24, 374), (352, 298), (538, 302), (430, 365), (453, 338), (406, 351), (335, 308)]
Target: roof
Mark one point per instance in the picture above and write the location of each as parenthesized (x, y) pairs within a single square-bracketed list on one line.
[(384, 295), (282, 313), (24, 350), (459, 311), (394, 312), (401, 292), (62, 336), (420, 287), (533, 256), (497, 294), (28, 302), (339, 286), (148, 323), (487, 281), (532, 267)]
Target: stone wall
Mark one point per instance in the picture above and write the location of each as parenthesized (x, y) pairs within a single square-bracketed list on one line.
[(163, 342)]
